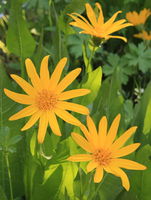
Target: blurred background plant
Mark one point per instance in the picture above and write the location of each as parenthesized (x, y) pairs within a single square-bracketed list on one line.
[(35, 28)]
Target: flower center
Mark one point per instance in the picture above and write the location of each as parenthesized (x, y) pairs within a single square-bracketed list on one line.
[(46, 100), (102, 156)]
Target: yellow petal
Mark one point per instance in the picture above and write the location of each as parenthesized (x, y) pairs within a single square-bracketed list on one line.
[(119, 172), (54, 123), (126, 150), (82, 142), (118, 37), (86, 132), (73, 93), (55, 77), (80, 157), (128, 164), (67, 117), (43, 123), (73, 107), (92, 165), (113, 130), (123, 176), (67, 80), (102, 130), (79, 23), (19, 98), (100, 18), (92, 129), (31, 71), (44, 72), (23, 84), (29, 110), (111, 20), (33, 119), (98, 174), (123, 138), (91, 14)]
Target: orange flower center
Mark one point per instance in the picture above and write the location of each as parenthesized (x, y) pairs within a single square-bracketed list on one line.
[(102, 156), (46, 100)]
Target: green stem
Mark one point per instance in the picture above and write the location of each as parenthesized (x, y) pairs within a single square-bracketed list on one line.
[(98, 188), (90, 59), (9, 175)]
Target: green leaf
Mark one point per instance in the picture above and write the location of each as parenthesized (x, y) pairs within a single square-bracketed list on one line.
[(2, 194), (93, 83), (19, 40), (140, 180), (147, 120), (69, 173)]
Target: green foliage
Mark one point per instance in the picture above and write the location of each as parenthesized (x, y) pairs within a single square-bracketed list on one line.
[(19, 40), (139, 57), (118, 75)]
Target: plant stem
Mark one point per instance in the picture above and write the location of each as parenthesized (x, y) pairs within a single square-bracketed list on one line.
[(90, 59), (98, 187), (9, 175)]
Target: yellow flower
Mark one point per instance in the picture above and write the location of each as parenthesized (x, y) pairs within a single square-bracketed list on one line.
[(96, 26), (46, 98), (105, 151), (137, 19), (143, 35)]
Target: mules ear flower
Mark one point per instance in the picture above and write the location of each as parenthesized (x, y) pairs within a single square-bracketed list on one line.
[(138, 18), (104, 151), (45, 97), (144, 35), (96, 25)]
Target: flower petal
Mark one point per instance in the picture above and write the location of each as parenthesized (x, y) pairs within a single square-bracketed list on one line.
[(55, 77), (67, 80), (44, 72), (113, 130), (54, 123), (31, 71), (73, 93), (126, 150), (93, 132), (101, 17), (111, 20), (128, 164), (73, 107), (80, 157), (92, 165), (118, 37), (119, 172), (98, 174), (102, 130), (43, 123), (19, 98), (29, 110), (23, 84), (91, 14), (33, 119), (82, 142), (123, 138), (66, 116)]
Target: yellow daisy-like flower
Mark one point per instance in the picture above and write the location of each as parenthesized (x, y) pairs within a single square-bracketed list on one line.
[(138, 18), (143, 35), (105, 151), (46, 98), (96, 25)]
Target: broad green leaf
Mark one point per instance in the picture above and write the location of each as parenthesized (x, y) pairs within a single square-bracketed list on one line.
[(19, 40), (140, 180), (69, 173), (147, 120), (93, 83)]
